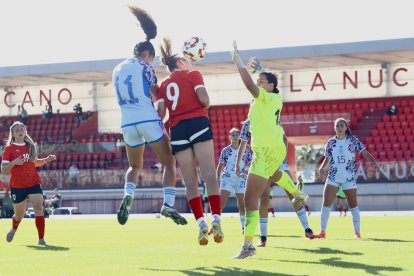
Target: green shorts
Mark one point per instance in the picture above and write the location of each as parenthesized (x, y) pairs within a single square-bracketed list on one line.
[(267, 160)]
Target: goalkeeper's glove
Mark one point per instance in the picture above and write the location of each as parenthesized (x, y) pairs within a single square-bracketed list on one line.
[(255, 65)]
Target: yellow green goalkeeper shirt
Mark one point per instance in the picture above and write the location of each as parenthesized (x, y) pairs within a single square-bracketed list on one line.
[(264, 116)]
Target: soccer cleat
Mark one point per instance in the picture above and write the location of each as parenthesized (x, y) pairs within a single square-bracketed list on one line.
[(123, 211), (42, 242), (357, 236), (217, 232), (309, 234), (242, 231), (300, 198), (210, 231), (321, 235), (10, 235), (170, 212), (262, 242), (245, 252), (203, 236)]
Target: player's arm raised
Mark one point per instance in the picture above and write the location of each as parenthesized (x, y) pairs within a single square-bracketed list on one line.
[(245, 76)]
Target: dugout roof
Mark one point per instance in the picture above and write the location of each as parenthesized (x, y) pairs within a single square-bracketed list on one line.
[(277, 59)]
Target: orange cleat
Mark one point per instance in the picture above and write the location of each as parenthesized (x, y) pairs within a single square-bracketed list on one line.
[(321, 235), (357, 236)]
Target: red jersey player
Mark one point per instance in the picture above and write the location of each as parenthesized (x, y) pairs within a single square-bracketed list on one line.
[(20, 160), (184, 95)]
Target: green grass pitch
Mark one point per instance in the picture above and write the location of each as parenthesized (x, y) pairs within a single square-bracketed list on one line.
[(159, 247)]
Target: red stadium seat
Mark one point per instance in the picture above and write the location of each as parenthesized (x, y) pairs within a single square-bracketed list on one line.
[(407, 131), (368, 140), (372, 105), (385, 139), (399, 132), (404, 146), (400, 139), (374, 132), (410, 138), (390, 131), (399, 155), (407, 154), (379, 147), (380, 104), (383, 132)]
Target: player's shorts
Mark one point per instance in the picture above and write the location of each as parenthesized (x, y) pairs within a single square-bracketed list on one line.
[(20, 194), (345, 186), (340, 197), (235, 185), (190, 132), (267, 160), (143, 133), (284, 167)]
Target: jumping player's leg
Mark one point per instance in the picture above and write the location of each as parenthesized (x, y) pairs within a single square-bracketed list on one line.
[(204, 153), (162, 149), (263, 213), (187, 163), (285, 181), (135, 160), (351, 196)]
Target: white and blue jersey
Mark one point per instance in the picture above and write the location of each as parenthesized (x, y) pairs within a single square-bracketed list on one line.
[(342, 154), (228, 157), (229, 180), (132, 80)]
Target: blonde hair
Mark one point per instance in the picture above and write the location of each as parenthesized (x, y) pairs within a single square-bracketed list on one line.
[(27, 140), (234, 130)]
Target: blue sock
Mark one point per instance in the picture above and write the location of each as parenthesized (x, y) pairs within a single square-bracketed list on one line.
[(129, 189), (356, 219), (303, 218), (325, 216), (263, 227), (169, 195)]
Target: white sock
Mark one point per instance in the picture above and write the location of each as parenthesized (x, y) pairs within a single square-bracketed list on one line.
[(246, 245), (263, 227), (169, 195), (303, 218), (216, 218), (202, 223), (356, 219), (325, 216), (129, 189), (242, 220)]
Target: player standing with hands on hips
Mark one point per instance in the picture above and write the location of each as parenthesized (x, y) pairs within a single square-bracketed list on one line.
[(20, 160)]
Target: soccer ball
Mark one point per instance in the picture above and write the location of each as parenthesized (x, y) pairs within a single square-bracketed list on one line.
[(194, 48)]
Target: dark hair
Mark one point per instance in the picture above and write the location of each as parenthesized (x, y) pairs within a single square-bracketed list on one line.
[(167, 57), (348, 131), (271, 78), (149, 28)]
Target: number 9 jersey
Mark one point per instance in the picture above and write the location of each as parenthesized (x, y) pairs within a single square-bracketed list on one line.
[(178, 91)]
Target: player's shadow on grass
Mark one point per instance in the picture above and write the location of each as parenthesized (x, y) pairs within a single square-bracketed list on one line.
[(48, 247), (216, 270), (337, 262), (386, 240), (284, 236), (321, 250)]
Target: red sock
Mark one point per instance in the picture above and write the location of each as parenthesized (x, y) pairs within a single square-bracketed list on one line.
[(196, 207), (345, 210), (307, 208), (40, 225), (15, 223), (215, 204), (340, 210)]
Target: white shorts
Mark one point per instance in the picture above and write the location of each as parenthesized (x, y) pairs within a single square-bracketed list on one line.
[(345, 186), (143, 133), (284, 167), (235, 185)]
